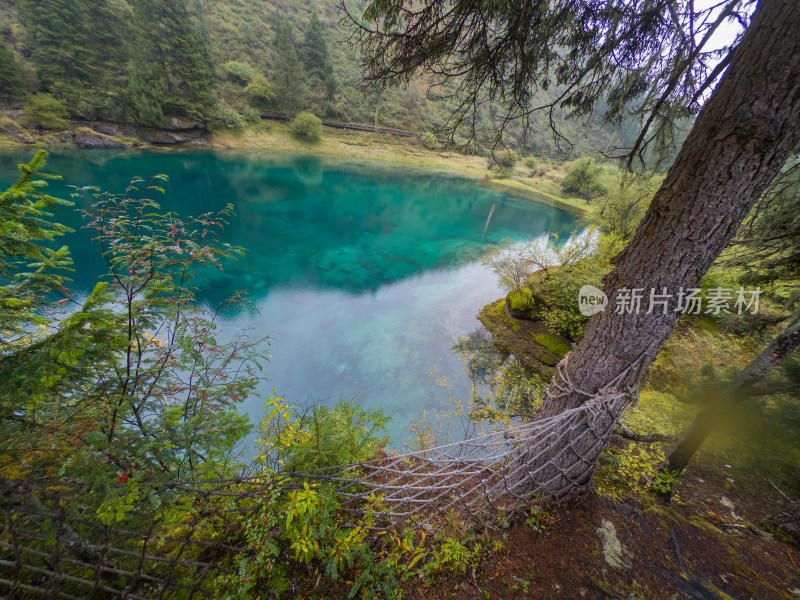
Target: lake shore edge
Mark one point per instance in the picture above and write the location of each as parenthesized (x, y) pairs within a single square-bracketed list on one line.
[(270, 136)]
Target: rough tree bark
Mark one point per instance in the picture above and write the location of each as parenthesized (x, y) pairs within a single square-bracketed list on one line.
[(742, 137)]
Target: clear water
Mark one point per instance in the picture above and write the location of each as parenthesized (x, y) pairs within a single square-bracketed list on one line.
[(364, 274)]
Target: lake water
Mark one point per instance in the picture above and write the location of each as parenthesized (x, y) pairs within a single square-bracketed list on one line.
[(364, 274)]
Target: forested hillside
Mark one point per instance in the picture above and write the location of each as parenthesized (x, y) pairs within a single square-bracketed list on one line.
[(216, 64)]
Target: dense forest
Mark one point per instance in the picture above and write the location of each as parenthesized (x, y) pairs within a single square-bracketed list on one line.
[(217, 64)]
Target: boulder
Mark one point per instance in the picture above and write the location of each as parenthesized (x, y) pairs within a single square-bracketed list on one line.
[(166, 137), (616, 555), (22, 138), (105, 127), (91, 139), (176, 124)]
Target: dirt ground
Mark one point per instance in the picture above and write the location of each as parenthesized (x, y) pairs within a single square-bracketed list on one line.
[(709, 546)]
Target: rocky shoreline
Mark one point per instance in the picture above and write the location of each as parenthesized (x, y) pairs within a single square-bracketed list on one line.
[(102, 134)]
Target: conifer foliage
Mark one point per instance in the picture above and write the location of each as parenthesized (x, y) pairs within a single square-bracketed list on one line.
[(140, 60), (316, 59), (12, 84), (288, 70), (172, 65), (78, 47)]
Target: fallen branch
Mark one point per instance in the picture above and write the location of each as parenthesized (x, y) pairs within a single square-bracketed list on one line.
[(623, 432)]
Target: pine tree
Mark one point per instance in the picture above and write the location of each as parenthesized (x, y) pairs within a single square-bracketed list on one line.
[(146, 90), (315, 55), (12, 85), (767, 244), (30, 270), (170, 72), (290, 80), (77, 45)]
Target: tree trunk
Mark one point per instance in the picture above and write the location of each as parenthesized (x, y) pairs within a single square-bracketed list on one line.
[(558, 459), (739, 390), (742, 137)]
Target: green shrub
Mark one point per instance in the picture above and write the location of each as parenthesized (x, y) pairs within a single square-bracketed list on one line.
[(472, 148), (429, 141), (511, 263), (624, 204), (293, 439), (568, 322), (530, 162), (299, 531), (44, 110), (520, 300), (503, 160), (560, 288), (585, 179), (240, 73), (259, 91), (468, 147), (251, 115), (306, 126), (225, 117), (341, 435)]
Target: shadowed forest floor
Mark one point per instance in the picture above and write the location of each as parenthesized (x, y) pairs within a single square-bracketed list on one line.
[(696, 548)]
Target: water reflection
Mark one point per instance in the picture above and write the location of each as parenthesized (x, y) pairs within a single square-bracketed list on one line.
[(363, 273)]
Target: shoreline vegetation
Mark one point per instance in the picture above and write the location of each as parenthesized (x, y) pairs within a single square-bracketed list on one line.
[(272, 136)]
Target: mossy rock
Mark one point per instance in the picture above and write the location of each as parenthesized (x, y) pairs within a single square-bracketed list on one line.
[(498, 310), (554, 343), (523, 303), (513, 337), (520, 300), (544, 358)]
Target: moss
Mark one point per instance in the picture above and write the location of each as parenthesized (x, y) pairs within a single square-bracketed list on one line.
[(706, 323), (554, 343), (550, 362), (521, 300), (508, 335), (498, 309), (488, 312)]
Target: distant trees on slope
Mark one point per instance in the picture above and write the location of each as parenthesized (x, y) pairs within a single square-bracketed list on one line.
[(150, 61)]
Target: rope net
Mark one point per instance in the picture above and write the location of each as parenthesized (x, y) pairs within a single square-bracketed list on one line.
[(51, 548)]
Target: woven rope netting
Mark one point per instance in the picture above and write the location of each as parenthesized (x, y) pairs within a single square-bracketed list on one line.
[(49, 549)]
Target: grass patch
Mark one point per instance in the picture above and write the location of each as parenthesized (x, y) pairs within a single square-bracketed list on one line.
[(658, 412), (530, 192), (553, 343), (705, 322), (276, 137)]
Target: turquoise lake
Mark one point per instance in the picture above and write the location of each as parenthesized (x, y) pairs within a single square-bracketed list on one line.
[(364, 274)]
